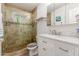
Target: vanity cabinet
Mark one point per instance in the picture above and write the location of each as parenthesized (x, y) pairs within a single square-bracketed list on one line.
[(64, 49), (45, 47), (52, 47)]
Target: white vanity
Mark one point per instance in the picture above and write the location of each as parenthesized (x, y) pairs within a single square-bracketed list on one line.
[(54, 45)]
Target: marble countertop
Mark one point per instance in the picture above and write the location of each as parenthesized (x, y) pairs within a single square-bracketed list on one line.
[(67, 39)]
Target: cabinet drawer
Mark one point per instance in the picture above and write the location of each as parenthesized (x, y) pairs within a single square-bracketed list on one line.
[(43, 41), (64, 49), (45, 46)]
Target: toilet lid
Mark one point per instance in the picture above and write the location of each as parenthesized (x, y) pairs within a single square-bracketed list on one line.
[(32, 45)]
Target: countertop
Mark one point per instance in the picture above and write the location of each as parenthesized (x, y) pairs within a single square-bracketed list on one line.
[(67, 39)]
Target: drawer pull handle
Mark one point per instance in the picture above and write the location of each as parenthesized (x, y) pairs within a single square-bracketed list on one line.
[(63, 49), (44, 41)]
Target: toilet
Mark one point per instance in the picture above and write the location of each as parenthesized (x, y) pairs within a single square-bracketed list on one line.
[(32, 47)]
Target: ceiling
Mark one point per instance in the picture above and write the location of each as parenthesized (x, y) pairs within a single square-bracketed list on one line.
[(25, 6), (30, 6), (54, 6)]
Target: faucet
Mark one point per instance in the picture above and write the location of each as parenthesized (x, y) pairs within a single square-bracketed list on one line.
[(55, 32)]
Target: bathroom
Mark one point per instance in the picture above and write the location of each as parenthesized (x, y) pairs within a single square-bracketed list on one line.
[(36, 29)]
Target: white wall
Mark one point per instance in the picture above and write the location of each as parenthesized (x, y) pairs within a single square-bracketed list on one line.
[(41, 11), (42, 27), (42, 21)]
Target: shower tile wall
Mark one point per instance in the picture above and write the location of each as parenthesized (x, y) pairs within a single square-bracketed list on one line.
[(16, 35)]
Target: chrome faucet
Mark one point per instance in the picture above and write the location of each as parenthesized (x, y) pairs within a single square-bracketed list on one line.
[(55, 32)]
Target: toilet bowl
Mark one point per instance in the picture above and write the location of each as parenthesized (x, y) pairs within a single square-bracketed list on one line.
[(32, 47)]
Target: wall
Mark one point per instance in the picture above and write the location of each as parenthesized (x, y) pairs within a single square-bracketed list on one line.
[(17, 34), (42, 19), (41, 10)]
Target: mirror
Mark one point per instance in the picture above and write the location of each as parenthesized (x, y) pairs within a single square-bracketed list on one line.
[(63, 13), (73, 13)]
